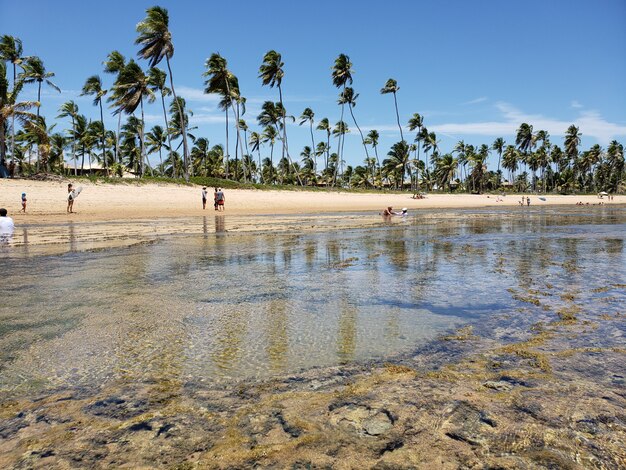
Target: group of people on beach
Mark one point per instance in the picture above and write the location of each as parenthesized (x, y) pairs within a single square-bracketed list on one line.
[(219, 199)]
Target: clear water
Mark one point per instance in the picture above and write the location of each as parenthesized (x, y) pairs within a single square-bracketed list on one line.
[(211, 305)]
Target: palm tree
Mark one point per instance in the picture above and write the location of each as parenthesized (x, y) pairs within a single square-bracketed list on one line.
[(269, 135), (510, 159), (498, 146), (324, 125), (309, 116), (339, 131), (155, 140), (11, 51), (255, 141), (572, 142), (70, 109), (347, 96), (417, 122), (130, 89), (200, 155), (397, 161), (615, 160), (223, 82), (93, 86), (341, 75), (114, 64), (271, 73), (445, 170), (34, 71), (10, 107), (372, 139), (155, 39), (156, 80), (243, 125), (392, 87)]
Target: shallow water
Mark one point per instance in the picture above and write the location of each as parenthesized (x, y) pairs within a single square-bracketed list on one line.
[(212, 301)]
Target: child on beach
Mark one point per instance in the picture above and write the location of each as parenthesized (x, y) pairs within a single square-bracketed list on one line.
[(70, 198), (24, 203)]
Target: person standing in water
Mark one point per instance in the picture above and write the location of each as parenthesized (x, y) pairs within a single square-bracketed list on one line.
[(6, 226)]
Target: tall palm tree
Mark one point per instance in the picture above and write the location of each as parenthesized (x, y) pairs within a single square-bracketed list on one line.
[(392, 87), (10, 107), (572, 142), (342, 76), (348, 96), (417, 122), (155, 39), (35, 72), (309, 116), (339, 131), (223, 82), (11, 51), (157, 81), (114, 63), (498, 146), (70, 109), (510, 159), (130, 89), (93, 86), (445, 170)]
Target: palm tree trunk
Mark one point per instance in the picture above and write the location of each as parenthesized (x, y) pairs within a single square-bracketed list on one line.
[(38, 101), (226, 166), (143, 155), (285, 145), (118, 159), (13, 119), (104, 150), (313, 148), (398, 116), (74, 147), (182, 121), (167, 130)]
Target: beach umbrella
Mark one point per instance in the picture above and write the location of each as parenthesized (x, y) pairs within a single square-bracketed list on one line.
[(603, 193)]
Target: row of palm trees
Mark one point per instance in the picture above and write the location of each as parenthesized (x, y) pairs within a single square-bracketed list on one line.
[(128, 148)]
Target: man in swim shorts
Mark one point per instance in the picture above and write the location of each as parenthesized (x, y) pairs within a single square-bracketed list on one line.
[(204, 195)]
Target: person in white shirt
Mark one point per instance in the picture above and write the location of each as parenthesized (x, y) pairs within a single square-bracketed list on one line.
[(6, 226), (204, 195)]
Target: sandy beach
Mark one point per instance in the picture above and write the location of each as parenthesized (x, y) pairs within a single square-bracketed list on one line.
[(47, 201)]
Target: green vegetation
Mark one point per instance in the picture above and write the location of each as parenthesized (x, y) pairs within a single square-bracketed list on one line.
[(532, 162)]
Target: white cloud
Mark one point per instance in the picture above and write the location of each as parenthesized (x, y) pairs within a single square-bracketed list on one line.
[(476, 101), (196, 94), (575, 104), (591, 123)]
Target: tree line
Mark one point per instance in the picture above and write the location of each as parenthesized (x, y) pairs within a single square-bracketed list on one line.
[(532, 162)]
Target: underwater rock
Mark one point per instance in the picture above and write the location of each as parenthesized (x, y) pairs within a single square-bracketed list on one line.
[(500, 385), (362, 419), (469, 424), (117, 408)]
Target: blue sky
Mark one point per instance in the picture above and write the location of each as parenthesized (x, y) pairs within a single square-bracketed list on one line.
[(474, 69)]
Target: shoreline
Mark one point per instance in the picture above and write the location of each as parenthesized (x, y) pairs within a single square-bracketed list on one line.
[(47, 201)]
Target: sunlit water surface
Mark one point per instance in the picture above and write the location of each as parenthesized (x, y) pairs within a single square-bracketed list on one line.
[(212, 306)]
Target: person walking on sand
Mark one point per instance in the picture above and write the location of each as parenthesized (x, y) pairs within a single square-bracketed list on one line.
[(24, 203), (221, 199), (204, 195), (6, 227), (528, 201)]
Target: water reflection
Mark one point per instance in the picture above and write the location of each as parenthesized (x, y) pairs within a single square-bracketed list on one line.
[(223, 305)]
